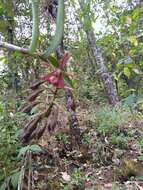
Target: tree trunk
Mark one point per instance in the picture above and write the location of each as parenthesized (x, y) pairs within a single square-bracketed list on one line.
[(105, 76), (13, 83)]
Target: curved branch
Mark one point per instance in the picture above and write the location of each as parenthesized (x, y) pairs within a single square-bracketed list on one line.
[(59, 30), (35, 28)]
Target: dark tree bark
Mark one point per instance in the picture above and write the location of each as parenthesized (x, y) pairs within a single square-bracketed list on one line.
[(105, 76)]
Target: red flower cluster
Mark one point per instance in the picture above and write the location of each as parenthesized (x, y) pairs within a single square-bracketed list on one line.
[(56, 77)]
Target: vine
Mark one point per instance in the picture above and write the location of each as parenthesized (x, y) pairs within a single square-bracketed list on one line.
[(59, 30), (35, 28)]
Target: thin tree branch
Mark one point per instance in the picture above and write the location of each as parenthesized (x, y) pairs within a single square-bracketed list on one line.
[(25, 51), (12, 47)]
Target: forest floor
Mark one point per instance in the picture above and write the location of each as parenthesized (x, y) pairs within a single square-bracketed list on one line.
[(97, 164)]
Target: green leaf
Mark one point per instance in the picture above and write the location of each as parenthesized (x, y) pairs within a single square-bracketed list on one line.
[(53, 61), (69, 81), (115, 77), (140, 158), (35, 148), (14, 179), (141, 63), (3, 186), (2, 58), (136, 71), (1, 107), (129, 100), (133, 40), (136, 14), (127, 72), (23, 151), (141, 143)]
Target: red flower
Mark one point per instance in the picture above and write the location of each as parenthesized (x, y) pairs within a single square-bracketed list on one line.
[(56, 77)]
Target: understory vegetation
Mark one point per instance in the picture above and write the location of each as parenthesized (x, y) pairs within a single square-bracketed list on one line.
[(71, 95)]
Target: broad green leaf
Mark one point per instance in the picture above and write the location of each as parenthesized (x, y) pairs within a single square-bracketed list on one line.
[(141, 63), (14, 179), (35, 148), (23, 151), (131, 52), (115, 77), (136, 13), (69, 81), (2, 58), (136, 71), (1, 107), (127, 72), (141, 143), (133, 40), (140, 158), (53, 61)]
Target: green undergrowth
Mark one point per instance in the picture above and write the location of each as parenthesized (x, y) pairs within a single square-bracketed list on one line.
[(9, 144), (109, 120), (112, 123)]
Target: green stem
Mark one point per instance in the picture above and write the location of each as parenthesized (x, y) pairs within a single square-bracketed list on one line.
[(35, 28), (59, 30)]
